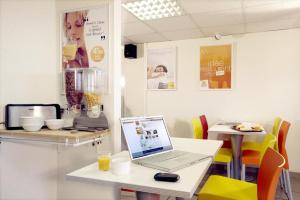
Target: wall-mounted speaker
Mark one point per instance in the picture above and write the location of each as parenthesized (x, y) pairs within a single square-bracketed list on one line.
[(130, 51)]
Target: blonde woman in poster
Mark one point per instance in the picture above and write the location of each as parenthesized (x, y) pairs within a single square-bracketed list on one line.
[(74, 52)]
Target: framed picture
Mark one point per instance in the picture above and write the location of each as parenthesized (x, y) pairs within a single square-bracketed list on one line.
[(161, 69), (85, 41), (216, 67)]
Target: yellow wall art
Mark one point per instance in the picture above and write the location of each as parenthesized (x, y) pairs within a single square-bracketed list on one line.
[(216, 67)]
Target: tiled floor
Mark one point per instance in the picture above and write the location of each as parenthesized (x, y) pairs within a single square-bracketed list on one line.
[(280, 195)]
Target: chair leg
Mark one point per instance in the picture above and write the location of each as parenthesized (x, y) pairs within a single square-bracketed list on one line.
[(285, 184), (228, 169), (243, 173), (231, 173), (281, 179), (288, 185)]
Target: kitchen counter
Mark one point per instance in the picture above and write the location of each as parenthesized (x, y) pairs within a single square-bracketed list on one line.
[(68, 138)]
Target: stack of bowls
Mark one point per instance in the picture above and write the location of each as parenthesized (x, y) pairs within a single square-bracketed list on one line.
[(32, 123)]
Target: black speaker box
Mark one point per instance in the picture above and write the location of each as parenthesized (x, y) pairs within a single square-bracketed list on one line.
[(130, 51)]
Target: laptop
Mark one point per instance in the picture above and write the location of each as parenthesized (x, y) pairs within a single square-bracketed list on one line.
[(149, 145)]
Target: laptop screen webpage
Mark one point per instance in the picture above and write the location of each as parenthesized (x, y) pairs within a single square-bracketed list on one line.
[(146, 136)]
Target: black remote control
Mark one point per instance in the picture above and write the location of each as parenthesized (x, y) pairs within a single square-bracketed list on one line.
[(168, 177)]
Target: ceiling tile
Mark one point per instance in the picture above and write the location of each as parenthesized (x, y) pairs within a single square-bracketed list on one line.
[(182, 34), (172, 23), (250, 3), (146, 38), (271, 25), (223, 30), (128, 17), (277, 11), (136, 28), (201, 6), (221, 18)]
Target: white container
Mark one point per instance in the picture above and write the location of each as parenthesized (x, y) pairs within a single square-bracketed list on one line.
[(32, 127), (120, 166), (55, 124), (31, 120)]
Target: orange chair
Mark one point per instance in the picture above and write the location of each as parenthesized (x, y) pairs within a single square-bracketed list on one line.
[(222, 188), (282, 135), (253, 158)]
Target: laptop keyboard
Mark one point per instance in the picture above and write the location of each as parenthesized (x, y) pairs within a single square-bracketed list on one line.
[(164, 156)]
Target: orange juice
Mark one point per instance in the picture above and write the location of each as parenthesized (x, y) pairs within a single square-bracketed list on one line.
[(69, 51), (104, 162)]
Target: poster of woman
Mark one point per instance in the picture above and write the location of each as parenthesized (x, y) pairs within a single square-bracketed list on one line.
[(215, 67), (84, 44), (161, 69)]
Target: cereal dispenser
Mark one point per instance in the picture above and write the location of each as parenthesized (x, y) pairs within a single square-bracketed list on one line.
[(83, 92)]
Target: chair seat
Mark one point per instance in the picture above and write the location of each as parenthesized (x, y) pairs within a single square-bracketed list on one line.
[(251, 157), (224, 155), (222, 188), (256, 146)]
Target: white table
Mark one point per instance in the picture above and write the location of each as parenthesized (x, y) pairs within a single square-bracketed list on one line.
[(141, 178), (236, 142)]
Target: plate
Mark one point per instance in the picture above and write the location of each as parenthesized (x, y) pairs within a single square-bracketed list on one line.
[(246, 130)]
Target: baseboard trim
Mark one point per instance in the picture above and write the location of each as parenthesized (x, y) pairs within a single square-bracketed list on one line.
[(295, 175)]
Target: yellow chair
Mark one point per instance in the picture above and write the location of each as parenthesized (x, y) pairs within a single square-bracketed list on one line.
[(256, 145), (222, 188), (197, 128), (224, 155), (253, 158)]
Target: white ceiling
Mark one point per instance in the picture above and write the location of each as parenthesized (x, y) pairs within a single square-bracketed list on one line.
[(205, 18)]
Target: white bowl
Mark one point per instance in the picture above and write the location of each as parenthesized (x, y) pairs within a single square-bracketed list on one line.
[(32, 127), (55, 124), (31, 120)]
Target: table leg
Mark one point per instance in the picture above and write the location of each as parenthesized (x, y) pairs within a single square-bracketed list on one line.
[(146, 196), (116, 193), (236, 143)]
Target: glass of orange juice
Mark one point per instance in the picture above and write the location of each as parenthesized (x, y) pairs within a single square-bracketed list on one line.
[(69, 51), (104, 160)]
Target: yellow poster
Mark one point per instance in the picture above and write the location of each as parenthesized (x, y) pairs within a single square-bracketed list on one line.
[(215, 67)]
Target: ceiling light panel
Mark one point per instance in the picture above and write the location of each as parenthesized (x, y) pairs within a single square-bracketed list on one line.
[(153, 9)]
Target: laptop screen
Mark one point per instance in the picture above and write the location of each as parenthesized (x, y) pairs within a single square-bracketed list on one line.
[(146, 135)]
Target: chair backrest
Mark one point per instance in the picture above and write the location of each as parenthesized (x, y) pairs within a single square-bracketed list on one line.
[(269, 141), (204, 126), (197, 128), (275, 130), (283, 131), (276, 125), (270, 169)]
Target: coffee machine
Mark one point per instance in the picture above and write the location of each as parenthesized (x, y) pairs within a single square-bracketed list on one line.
[(84, 87)]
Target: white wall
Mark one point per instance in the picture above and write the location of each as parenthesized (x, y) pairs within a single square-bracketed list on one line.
[(266, 85), (133, 70), (28, 70)]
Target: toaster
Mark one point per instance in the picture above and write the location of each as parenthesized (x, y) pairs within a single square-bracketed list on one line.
[(13, 112)]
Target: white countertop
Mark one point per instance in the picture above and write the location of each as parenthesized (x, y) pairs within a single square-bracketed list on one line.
[(141, 178)]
